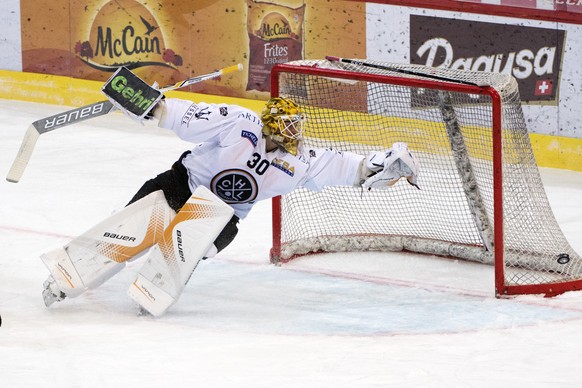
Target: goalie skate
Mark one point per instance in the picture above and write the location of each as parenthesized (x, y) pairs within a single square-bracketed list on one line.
[(51, 292)]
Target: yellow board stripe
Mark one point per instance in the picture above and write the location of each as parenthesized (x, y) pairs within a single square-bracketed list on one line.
[(73, 92), (557, 151), (550, 151)]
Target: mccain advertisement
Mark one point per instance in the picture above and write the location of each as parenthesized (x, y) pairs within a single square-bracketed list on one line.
[(167, 41), (532, 55)]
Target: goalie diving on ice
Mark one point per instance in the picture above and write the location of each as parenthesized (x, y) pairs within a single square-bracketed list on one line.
[(191, 211)]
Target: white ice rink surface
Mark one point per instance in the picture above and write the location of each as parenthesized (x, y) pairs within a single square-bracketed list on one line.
[(336, 320)]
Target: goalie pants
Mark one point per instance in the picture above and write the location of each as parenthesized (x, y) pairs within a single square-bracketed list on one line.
[(174, 184)]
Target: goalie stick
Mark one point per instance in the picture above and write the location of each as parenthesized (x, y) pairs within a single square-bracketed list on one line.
[(402, 71), (83, 113)]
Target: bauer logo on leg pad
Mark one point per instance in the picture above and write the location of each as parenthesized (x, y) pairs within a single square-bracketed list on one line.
[(130, 93)]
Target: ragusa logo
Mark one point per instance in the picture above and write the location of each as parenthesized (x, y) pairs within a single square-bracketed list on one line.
[(118, 39)]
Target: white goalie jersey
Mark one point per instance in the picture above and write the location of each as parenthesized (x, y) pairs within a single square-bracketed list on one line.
[(231, 160)]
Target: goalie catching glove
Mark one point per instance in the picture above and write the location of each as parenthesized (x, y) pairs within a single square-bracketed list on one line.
[(381, 170)]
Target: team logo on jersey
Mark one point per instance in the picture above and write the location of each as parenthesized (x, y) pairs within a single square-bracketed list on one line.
[(195, 111), (234, 186), (283, 166), (202, 114), (223, 111), (251, 136)]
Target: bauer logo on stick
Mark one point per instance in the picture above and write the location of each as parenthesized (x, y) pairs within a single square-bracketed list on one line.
[(130, 93)]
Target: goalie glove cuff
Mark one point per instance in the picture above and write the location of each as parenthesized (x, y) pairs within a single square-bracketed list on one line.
[(157, 111)]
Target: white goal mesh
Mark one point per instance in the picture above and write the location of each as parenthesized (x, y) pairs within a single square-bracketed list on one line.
[(465, 208)]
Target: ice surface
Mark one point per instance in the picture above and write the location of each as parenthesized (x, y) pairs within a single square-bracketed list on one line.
[(333, 320)]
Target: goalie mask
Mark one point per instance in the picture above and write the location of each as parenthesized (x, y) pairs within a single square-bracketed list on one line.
[(283, 123)]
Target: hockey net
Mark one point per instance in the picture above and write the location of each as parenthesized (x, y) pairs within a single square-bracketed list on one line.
[(481, 197)]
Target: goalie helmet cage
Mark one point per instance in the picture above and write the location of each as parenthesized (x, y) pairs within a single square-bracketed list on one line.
[(481, 199)]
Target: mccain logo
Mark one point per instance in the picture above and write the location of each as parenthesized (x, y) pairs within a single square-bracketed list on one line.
[(532, 55), (125, 35), (275, 26)]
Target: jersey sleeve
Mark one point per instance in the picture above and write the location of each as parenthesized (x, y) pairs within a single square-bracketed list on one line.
[(328, 167), (201, 122)]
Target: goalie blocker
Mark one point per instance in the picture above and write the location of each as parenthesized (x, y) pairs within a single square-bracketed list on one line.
[(131, 94), (179, 242)]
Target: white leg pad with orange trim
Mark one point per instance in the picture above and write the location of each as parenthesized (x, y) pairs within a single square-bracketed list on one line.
[(172, 261), (101, 252), (63, 272)]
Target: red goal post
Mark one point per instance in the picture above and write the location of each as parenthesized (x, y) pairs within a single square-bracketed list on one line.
[(481, 197)]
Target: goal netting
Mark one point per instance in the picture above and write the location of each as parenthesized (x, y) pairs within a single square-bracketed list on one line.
[(481, 197)]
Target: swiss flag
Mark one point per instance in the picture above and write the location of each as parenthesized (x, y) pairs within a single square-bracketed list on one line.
[(543, 87)]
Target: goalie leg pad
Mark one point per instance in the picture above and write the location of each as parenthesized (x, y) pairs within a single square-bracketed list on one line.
[(72, 282), (172, 261), (63, 272), (101, 252)]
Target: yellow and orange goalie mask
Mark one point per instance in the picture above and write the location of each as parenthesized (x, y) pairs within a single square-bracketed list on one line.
[(283, 123)]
